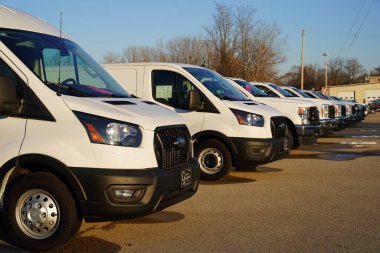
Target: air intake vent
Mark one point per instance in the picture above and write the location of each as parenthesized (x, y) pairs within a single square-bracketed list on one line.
[(119, 102), (149, 102), (250, 103)]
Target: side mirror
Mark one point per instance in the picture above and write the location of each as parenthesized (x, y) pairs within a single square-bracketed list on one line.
[(9, 103), (195, 103)]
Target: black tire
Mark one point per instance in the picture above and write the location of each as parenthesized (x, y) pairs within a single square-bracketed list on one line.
[(43, 201), (214, 159), (290, 137)]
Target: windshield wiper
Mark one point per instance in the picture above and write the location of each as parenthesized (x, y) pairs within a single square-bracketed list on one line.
[(67, 88)]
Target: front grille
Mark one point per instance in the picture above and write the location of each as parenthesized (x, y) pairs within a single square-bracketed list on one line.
[(353, 110), (168, 149), (344, 111), (331, 112), (313, 116), (278, 127)]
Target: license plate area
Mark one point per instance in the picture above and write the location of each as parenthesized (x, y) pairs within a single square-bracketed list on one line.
[(186, 177)]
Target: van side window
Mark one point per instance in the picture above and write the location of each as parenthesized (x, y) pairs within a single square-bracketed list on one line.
[(171, 88), (12, 92)]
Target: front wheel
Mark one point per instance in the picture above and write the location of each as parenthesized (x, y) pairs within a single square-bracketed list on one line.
[(40, 212), (214, 159)]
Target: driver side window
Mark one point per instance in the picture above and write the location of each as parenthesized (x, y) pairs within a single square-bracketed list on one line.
[(171, 88)]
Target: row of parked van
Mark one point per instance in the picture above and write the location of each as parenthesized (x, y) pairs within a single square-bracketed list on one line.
[(76, 144)]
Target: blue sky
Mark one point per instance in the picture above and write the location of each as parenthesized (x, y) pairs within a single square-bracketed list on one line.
[(103, 26)]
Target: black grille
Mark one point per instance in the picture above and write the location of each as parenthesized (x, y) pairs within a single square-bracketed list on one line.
[(169, 153), (353, 108), (331, 112), (314, 116), (278, 127), (344, 111)]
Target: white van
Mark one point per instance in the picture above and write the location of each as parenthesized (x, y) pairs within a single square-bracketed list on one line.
[(227, 128), (74, 144), (302, 118)]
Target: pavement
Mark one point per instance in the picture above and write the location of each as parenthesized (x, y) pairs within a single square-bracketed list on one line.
[(323, 198)]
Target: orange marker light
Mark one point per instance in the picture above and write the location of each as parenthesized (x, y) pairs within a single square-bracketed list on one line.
[(94, 135)]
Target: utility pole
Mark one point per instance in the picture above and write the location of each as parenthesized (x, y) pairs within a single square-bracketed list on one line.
[(325, 55), (302, 62)]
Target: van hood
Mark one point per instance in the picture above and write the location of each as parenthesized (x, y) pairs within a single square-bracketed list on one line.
[(253, 107), (317, 101), (281, 101), (146, 114)]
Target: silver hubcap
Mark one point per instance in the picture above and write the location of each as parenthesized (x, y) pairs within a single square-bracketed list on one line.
[(37, 214), (210, 160)]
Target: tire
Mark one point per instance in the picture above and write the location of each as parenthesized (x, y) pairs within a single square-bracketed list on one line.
[(214, 159), (290, 137), (40, 212)]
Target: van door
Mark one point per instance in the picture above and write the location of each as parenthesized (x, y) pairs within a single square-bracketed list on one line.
[(12, 102), (171, 90)]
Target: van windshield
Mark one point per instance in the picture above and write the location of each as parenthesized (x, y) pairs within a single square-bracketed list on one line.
[(61, 64), (251, 88), (281, 90), (215, 83), (301, 92)]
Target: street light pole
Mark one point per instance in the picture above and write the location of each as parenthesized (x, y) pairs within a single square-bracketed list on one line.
[(325, 55), (302, 57)]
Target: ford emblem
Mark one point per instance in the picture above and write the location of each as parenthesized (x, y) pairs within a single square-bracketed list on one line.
[(180, 142)]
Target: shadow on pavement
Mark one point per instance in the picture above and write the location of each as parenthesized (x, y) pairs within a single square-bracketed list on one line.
[(88, 244), (333, 155), (230, 179)]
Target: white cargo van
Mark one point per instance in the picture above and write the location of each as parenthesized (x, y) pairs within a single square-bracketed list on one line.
[(74, 144), (302, 117), (227, 128)]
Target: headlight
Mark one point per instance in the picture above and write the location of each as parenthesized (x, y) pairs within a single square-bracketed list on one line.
[(325, 111), (303, 112), (108, 131), (338, 111), (249, 119)]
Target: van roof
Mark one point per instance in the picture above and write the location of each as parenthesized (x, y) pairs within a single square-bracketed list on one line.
[(182, 65), (15, 19)]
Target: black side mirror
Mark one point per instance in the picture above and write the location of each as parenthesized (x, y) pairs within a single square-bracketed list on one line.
[(195, 103), (9, 103)]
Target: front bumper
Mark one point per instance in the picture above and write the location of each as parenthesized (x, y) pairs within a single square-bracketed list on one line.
[(258, 151), (160, 189), (307, 134), (327, 126), (341, 122)]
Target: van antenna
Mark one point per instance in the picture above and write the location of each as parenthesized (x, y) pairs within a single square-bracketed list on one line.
[(59, 57)]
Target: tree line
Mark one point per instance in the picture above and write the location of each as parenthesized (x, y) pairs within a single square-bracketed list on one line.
[(237, 44)]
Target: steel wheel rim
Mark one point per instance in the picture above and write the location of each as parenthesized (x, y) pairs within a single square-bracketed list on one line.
[(211, 161), (37, 214)]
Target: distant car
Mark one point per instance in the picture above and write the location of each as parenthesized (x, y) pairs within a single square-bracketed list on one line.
[(375, 104)]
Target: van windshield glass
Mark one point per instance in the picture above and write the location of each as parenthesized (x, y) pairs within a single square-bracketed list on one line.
[(61, 63), (215, 83), (281, 90), (251, 88), (301, 92)]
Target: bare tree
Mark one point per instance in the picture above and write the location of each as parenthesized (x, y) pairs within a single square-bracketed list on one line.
[(112, 57), (189, 50), (139, 54), (222, 36), (353, 69), (335, 71), (268, 50)]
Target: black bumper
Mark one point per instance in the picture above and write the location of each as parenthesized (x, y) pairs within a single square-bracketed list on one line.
[(258, 151), (159, 189), (327, 126), (341, 123), (307, 134)]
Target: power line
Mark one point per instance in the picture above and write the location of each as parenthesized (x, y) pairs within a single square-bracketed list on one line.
[(352, 26), (364, 19)]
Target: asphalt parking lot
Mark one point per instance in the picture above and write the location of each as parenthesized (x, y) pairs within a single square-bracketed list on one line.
[(324, 198)]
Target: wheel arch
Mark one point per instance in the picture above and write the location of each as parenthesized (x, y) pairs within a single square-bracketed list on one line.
[(29, 163), (209, 134), (292, 128)]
